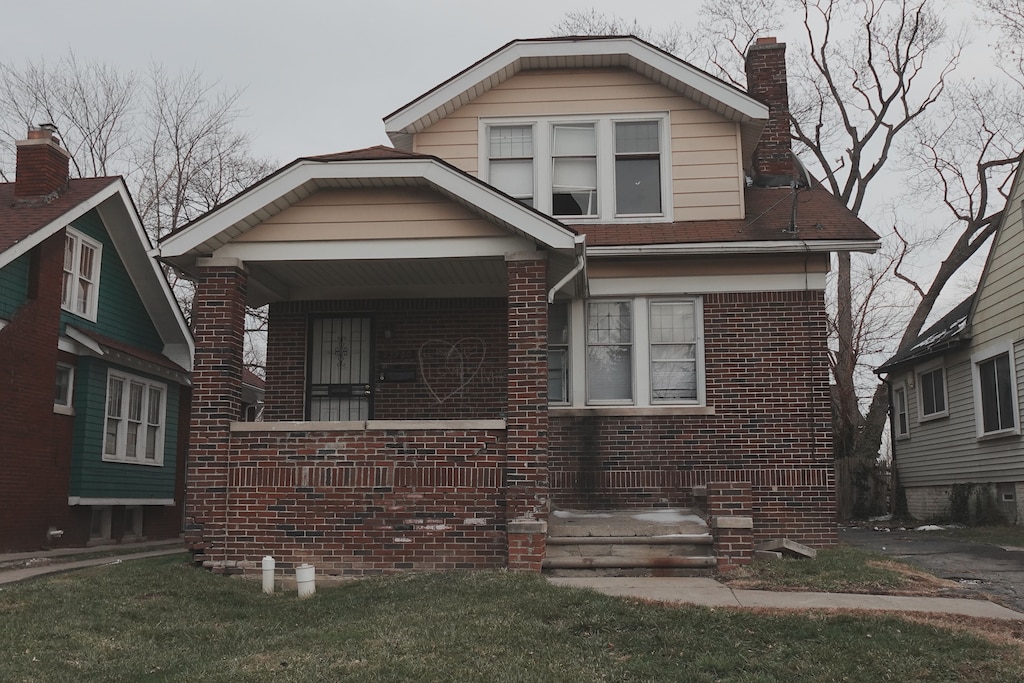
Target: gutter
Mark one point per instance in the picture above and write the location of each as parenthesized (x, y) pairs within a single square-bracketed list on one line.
[(774, 246), (581, 266)]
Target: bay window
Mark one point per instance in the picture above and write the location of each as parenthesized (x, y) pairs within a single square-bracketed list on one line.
[(589, 168), (133, 428)]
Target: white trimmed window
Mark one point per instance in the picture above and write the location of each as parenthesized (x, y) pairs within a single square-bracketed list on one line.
[(135, 415), (64, 388), (558, 354), (591, 168), (995, 394), (635, 351), (931, 390), (900, 416), (80, 286)]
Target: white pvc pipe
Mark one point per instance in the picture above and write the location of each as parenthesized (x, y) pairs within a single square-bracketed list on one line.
[(305, 577), (268, 574)]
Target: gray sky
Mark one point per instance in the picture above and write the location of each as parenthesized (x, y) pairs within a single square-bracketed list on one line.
[(318, 76)]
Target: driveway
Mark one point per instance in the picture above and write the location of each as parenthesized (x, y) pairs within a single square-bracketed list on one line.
[(980, 567)]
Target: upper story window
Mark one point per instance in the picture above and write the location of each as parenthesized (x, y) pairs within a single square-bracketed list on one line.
[(932, 393), (80, 286), (901, 418), (63, 389), (593, 168), (134, 427), (995, 395)]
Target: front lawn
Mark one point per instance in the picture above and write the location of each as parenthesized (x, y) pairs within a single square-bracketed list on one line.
[(162, 620)]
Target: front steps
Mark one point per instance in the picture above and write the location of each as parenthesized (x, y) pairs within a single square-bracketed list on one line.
[(651, 542)]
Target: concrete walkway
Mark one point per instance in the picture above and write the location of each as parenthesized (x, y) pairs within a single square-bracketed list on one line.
[(710, 593), (21, 566)]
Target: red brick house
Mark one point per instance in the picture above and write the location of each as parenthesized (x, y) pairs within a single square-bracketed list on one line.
[(588, 276), (94, 363)]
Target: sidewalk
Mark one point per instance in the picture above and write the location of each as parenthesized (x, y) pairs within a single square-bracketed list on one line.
[(710, 593), (21, 566)]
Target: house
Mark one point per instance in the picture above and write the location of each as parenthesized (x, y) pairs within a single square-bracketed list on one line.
[(588, 276), (956, 392), (95, 358)]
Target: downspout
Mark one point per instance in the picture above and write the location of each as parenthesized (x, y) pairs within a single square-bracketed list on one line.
[(581, 266)]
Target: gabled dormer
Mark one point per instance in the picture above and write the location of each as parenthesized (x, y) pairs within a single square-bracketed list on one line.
[(593, 130)]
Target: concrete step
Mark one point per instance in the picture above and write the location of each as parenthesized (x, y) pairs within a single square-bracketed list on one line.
[(661, 541)]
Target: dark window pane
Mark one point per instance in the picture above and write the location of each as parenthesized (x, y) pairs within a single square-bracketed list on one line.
[(637, 185)]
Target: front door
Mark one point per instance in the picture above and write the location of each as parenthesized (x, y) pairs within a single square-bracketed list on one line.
[(339, 380)]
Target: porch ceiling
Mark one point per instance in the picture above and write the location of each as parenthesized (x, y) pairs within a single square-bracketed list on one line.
[(271, 281)]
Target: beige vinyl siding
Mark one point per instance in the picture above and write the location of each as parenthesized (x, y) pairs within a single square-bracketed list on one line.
[(371, 214), (947, 450), (701, 139), (1000, 309)]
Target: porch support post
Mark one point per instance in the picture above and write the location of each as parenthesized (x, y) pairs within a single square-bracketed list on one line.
[(218, 321), (527, 417)]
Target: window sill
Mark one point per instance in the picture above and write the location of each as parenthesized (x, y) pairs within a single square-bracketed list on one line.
[(1001, 434), (364, 425), (930, 418), (63, 410), (611, 411), (125, 461)]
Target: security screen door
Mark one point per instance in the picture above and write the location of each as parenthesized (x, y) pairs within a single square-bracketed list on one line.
[(339, 366)]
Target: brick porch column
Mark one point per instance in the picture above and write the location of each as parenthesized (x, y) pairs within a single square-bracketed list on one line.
[(527, 418), (218, 322)]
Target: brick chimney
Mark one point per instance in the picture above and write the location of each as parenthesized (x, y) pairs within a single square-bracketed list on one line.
[(42, 166), (774, 165)]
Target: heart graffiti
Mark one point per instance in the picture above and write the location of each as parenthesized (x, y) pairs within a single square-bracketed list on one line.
[(447, 368)]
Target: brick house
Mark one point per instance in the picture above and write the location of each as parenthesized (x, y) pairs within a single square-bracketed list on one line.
[(94, 363), (588, 276)]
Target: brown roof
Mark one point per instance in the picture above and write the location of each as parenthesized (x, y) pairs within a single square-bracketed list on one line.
[(19, 220), (134, 351), (374, 153), (770, 216)]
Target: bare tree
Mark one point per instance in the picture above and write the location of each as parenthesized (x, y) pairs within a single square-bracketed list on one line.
[(175, 139)]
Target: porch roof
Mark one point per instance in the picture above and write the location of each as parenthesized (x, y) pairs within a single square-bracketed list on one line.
[(281, 270)]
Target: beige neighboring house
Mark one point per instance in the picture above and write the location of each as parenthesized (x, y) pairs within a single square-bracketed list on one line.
[(956, 392)]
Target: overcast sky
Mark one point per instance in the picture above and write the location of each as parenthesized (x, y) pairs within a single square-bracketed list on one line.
[(318, 76)]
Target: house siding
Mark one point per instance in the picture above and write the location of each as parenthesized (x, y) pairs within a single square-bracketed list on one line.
[(379, 214), (999, 312), (120, 312), (91, 476), (706, 169), (14, 285)]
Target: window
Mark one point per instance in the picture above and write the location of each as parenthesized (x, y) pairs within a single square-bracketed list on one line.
[(510, 150), (64, 386), (636, 351), (900, 417), (81, 274), (99, 527), (134, 426), (558, 353), (596, 168), (673, 338), (609, 352), (995, 400), (932, 388)]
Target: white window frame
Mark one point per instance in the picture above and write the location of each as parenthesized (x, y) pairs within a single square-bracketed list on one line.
[(901, 429), (641, 356), (65, 405), (120, 453), (983, 356), (566, 349), (919, 373), (543, 127), (73, 278)]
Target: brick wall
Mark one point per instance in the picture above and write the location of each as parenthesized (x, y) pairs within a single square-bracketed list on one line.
[(767, 380), (767, 81), (35, 444), (458, 348), (365, 502)]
